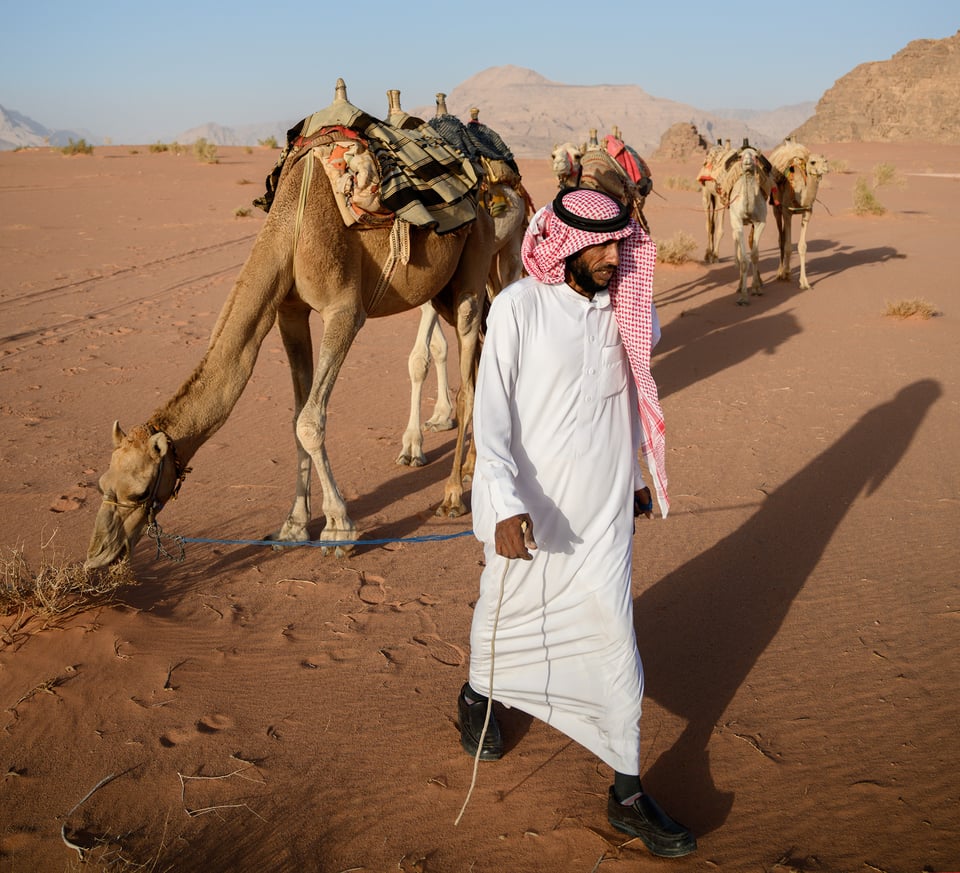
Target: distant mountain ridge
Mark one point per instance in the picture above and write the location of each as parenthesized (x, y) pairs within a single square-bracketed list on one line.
[(531, 113), (18, 131), (914, 95)]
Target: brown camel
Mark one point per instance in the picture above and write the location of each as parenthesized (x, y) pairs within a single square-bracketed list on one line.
[(301, 262), (798, 173)]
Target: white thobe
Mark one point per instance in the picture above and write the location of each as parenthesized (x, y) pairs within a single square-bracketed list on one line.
[(557, 435)]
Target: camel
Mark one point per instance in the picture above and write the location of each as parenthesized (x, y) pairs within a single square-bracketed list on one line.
[(611, 166), (305, 259), (712, 202), (746, 179), (510, 206), (798, 173)]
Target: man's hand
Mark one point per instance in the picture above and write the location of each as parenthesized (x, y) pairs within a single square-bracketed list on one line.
[(514, 536), (642, 503)]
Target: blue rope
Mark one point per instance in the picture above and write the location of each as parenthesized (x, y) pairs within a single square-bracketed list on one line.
[(331, 543)]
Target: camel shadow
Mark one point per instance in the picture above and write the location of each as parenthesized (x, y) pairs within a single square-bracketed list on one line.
[(702, 628), (695, 354)]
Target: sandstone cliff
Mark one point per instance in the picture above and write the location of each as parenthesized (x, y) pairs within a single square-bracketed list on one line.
[(913, 96)]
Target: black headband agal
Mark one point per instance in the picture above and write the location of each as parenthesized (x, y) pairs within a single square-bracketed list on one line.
[(593, 225)]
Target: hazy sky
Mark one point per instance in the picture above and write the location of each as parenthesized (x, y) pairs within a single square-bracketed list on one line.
[(140, 72)]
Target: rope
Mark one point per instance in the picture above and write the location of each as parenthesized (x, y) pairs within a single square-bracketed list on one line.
[(486, 718), (426, 538), (155, 532)]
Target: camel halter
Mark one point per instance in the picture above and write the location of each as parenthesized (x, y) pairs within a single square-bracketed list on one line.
[(151, 501)]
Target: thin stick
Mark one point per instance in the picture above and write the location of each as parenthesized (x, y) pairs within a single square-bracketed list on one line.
[(105, 781)]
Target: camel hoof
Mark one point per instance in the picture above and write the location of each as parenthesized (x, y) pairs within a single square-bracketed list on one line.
[(805, 286), (406, 460), (439, 424), (445, 510), (743, 301)]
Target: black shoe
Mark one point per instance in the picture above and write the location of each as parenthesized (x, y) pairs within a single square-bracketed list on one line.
[(645, 819), (472, 716)]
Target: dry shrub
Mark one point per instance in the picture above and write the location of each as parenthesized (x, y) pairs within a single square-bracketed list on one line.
[(55, 588), (839, 165), (886, 174), (916, 307), (864, 200), (677, 250), (205, 151)]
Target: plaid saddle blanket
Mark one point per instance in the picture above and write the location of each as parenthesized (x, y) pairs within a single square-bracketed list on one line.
[(421, 178)]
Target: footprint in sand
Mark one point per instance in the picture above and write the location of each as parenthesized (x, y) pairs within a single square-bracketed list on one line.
[(442, 651), (371, 589), (209, 724), (73, 499)]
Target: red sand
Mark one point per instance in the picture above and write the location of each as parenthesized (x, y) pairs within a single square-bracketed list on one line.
[(281, 711)]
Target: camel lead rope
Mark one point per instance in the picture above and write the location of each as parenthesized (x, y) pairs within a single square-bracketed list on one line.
[(486, 718)]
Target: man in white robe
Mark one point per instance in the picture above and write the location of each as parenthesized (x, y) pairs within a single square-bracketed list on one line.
[(563, 408)]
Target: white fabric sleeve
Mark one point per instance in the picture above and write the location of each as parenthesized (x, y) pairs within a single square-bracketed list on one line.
[(493, 413)]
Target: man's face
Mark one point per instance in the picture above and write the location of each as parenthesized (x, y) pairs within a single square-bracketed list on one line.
[(591, 270)]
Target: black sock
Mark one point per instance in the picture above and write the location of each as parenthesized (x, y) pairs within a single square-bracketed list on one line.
[(626, 786), (472, 696)]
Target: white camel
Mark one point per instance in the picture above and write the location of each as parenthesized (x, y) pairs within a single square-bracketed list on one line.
[(798, 173), (745, 181), (713, 204), (504, 197)]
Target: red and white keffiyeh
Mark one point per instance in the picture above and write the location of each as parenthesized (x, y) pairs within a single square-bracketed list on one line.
[(547, 244)]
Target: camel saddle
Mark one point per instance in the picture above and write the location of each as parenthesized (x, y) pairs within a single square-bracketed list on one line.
[(380, 172)]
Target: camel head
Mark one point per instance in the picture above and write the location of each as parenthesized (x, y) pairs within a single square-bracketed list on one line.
[(144, 473), (566, 164), (817, 165)]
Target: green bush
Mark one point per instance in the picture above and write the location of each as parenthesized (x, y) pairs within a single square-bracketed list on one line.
[(269, 143), (864, 200), (159, 147)]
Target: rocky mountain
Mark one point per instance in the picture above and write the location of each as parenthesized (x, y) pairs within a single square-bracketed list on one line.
[(913, 96), (18, 131), (533, 113)]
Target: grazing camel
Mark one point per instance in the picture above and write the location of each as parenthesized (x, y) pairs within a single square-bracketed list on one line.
[(502, 195), (747, 178), (304, 260), (798, 173), (713, 205)]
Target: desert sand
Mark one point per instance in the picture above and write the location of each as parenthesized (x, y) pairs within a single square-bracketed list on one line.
[(263, 710)]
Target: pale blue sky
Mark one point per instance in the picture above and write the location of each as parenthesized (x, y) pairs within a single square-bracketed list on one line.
[(139, 71)]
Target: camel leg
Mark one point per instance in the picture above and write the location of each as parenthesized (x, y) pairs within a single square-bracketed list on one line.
[(718, 208), (736, 229), (710, 215), (442, 418), (802, 251), (293, 320), (783, 234), (340, 327), (425, 345), (468, 331), (756, 231)]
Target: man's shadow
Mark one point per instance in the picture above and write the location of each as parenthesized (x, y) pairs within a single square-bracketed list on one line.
[(702, 628)]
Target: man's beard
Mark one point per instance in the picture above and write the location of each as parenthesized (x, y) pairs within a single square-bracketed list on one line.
[(580, 273)]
